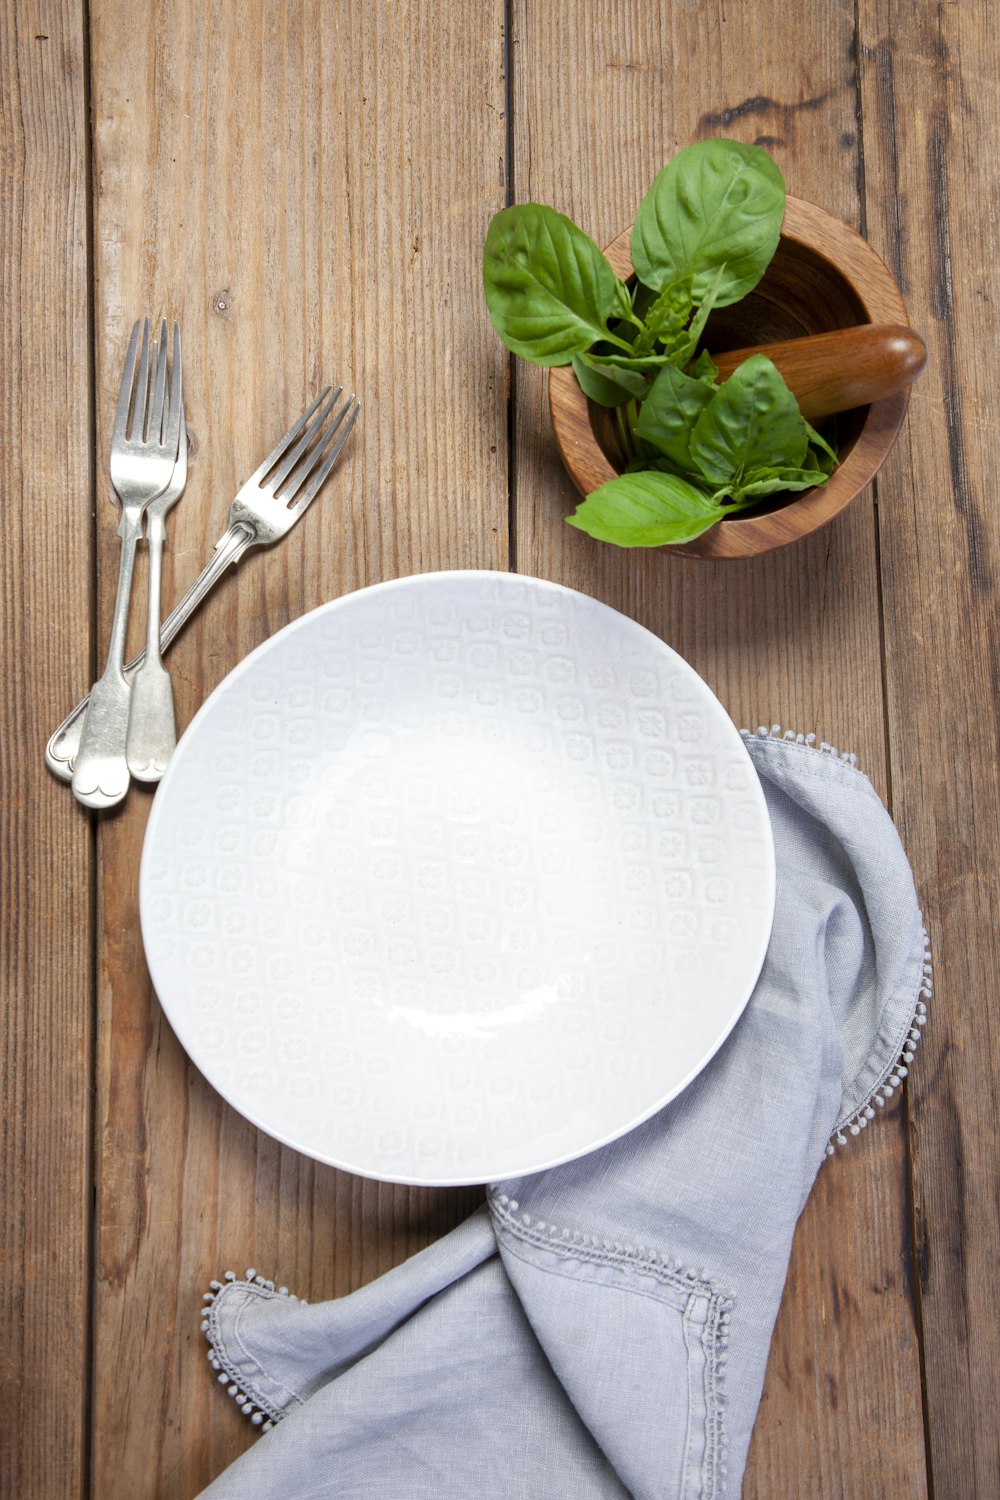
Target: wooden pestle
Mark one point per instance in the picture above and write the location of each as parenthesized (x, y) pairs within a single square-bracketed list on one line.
[(830, 372)]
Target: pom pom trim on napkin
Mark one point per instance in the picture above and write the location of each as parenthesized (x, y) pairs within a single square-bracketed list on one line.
[(900, 1053), (261, 1413), (642, 1260), (894, 1074)]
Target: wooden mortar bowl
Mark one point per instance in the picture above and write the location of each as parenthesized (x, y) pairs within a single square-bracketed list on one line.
[(823, 276)]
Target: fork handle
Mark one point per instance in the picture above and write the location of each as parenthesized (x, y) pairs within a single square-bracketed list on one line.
[(152, 726), (100, 772), (64, 745)]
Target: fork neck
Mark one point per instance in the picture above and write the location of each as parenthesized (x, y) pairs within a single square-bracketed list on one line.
[(130, 525)]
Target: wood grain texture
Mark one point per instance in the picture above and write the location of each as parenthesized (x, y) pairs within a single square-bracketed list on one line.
[(46, 854), (307, 188), (932, 145), (602, 98)]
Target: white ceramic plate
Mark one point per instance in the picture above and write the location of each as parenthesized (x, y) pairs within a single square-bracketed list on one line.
[(456, 878)]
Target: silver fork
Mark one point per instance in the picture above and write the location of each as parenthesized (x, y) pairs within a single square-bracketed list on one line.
[(152, 726), (258, 517), (143, 452)]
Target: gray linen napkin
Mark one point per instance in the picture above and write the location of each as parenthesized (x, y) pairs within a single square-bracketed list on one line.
[(601, 1329)]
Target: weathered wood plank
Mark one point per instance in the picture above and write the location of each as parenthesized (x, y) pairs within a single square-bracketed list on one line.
[(307, 189), (46, 852), (932, 148), (602, 98)]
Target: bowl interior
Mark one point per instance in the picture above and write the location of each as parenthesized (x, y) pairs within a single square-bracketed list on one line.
[(802, 292)]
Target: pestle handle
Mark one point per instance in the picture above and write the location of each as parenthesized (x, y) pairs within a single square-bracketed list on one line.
[(830, 372)]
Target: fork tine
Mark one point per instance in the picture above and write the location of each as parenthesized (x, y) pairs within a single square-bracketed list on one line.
[(285, 468), (320, 474), (289, 437), (175, 414), (138, 428), (159, 353), (125, 389)]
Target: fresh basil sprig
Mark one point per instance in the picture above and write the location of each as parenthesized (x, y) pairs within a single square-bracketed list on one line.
[(703, 237)]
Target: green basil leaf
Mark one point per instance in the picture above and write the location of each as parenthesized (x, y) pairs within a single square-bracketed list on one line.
[(751, 422), (826, 457), (606, 387), (643, 298), (665, 320), (650, 364), (768, 481), (820, 459), (646, 510), (704, 368), (613, 379), (672, 407), (645, 365), (717, 202), (702, 316), (549, 290)]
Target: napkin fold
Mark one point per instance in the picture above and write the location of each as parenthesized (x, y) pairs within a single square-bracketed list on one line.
[(601, 1329)]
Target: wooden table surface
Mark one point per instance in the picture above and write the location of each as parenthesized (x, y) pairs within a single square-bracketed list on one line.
[(307, 187)]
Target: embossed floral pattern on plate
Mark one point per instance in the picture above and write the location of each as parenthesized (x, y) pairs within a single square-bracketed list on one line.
[(455, 878)]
